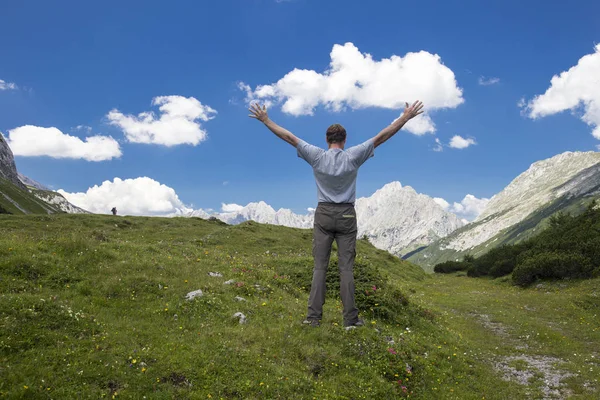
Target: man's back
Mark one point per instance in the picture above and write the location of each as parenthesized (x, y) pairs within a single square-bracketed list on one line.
[(335, 170)]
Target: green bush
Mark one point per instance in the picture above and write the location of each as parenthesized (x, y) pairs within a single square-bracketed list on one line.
[(451, 266), (552, 265)]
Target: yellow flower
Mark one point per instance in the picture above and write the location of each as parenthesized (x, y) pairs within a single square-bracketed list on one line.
[(144, 369), (134, 361), (264, 304), (25, 387)]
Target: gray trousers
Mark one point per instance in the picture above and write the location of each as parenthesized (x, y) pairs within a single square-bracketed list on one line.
[(334, 222)]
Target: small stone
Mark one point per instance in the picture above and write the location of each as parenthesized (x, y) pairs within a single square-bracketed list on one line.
[(239, 298), (241, 316), (194, 294), (216, 274), (229, 282)]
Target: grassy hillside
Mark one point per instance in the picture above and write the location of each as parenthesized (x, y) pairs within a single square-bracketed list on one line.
[(535, 223), (14, 200), (95, 307)]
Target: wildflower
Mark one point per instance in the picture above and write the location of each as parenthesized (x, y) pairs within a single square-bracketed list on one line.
[(134, 361), (143, 369), (374, 288), (264, 304)]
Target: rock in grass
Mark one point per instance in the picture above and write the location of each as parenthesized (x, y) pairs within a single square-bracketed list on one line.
[(240, 298), (194, 294), (241, 316), (216, 274), (229, 282)]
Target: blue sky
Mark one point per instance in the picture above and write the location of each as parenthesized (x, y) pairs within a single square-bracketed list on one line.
[(71, 65)]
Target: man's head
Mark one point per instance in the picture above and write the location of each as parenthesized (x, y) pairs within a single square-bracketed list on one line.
[(336, 136)]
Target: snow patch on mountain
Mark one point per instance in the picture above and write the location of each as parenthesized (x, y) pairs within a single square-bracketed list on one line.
[(55, 199)]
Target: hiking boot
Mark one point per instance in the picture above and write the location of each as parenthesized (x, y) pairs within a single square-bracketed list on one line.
[(359, 322), (314, 323)]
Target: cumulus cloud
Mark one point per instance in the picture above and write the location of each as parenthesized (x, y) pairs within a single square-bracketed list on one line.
[(443, 203), (228, 208), (469, 208), (438, 145), (139, 196), (7, 85), (577, 88), (355, 80), (458, 142), (31, 141), (179, 122), (483, 81)]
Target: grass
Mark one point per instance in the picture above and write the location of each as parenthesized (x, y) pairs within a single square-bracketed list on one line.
[(551, 329), (94, 307)]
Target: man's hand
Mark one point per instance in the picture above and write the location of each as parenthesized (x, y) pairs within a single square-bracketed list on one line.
[(409, 113), (412, 111), (259, 112)]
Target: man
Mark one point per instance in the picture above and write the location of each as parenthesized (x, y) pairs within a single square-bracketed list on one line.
[(335, 172)]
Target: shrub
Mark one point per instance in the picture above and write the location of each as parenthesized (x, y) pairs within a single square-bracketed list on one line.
[(451, 266), (552, 265)]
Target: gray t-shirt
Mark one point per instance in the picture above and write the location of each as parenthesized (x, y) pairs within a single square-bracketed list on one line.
[(336, 169)]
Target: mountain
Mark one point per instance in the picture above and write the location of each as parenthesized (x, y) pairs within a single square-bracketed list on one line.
[(400, 220), (264, 213), (8, 169), (21, 195), (394, 218), (566, 182), (30, 182)]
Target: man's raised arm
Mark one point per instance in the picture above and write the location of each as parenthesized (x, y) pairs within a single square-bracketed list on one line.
[(260, 113), (409, 113)]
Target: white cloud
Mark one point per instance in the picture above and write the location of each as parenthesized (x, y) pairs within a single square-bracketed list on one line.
[(355, 80), (438, 146), (83, 128), (469, 207), (31, 141), (483, 81), (443, 203), (228, 208), (139, 196), (179, 122), (225, 183), (458, 142), (7, 85), (572, 89)]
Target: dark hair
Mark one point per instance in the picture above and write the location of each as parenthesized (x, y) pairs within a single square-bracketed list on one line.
[(336, 134)]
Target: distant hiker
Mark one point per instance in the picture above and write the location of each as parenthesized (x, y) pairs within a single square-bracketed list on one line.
[(335, 172), (114, 211)]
